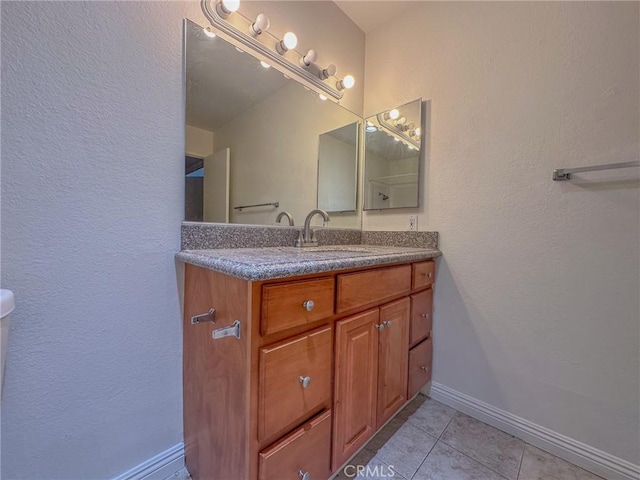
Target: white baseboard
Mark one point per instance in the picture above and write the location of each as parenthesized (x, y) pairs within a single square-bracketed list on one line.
[(578, 453), (159, 467)]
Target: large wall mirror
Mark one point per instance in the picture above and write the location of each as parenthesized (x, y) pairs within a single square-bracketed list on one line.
[(392, 157), (258, 143)]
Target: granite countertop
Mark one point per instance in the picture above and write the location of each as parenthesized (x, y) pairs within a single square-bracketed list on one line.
[(281, 262)]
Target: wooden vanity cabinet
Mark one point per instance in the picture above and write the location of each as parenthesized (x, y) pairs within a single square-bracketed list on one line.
[(322, 362)]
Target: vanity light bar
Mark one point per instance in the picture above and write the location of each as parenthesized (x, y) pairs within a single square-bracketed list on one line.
[(218, 11)]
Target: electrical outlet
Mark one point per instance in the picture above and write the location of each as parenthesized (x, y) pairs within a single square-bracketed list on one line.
[(413, 223)]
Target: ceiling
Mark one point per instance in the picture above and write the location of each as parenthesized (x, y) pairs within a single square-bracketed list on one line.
[(370, 14)]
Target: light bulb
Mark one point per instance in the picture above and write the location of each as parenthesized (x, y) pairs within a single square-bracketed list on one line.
[(325, 73), (393, 114), (309, 58), (208, 32), (227, 7), (261, 24), (265, 64), (322, 97), (396, 139), (347, 82), (401, 121), (288, 42), (418, 131), (231, 5)]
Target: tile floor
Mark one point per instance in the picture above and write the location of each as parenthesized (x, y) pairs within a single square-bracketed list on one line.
[(430, 441)]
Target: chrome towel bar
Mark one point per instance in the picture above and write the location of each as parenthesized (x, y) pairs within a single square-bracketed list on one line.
[(272, 204), (562, 174)]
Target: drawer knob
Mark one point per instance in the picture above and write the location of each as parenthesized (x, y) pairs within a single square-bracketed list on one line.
[(305, 381), (424, 368), (308, 305), (428, 274), (380, 327), (425, 315), (304, 475), (387, 323)]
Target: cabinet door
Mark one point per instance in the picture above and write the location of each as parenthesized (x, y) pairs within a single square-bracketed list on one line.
[(393, 359), (420, 358), (421, 318), (354, 412)]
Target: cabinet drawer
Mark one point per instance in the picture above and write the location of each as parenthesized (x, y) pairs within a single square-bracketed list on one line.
[(420, 360), (306, 450), (285, 305), (373, 286), (423, 274), (421, 316), (295, 381)]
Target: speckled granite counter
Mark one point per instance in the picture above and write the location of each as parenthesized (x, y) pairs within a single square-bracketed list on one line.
[(281, 262)]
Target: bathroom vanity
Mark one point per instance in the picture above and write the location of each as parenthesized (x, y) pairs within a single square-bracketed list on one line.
[(295, 358)]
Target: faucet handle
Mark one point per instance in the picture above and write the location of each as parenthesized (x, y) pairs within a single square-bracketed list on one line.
[(300, 239)]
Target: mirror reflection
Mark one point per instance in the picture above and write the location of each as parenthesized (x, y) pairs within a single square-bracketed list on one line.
[(338, 169), (392, 157), (253, 139)]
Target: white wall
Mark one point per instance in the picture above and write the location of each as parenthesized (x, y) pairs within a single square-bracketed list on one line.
[(92, 200), (198, 142), (536, 308)]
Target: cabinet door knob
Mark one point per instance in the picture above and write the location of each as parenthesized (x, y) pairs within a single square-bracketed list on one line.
[(424, 368), (305, 381), (428, 274), (425, 315), (380, 327), (387, 323), (308, 305), (304, 475)]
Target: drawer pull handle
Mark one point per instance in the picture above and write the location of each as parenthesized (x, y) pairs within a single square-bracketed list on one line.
[(424, 368), (308, 305), (380, 327), (387, 323), (210, 316), (304, 475), (425, 315), (428, 274), (305, 381)]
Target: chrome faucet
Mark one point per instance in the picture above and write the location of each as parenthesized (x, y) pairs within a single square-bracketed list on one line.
[(285, 214), (307, 237)]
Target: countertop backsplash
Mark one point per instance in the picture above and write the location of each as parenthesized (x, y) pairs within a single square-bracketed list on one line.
[(203, 236)]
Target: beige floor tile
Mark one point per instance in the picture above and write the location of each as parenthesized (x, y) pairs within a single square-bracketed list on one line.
[(431, 416), (445, 463), (491, 447), (540, 465), (406, 450)]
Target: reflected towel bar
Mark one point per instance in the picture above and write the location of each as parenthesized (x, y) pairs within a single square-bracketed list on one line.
[(562, 174), (272, 204)]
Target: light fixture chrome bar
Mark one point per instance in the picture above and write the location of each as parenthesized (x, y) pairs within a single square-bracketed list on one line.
[(272, 204), (310, 77), (563, 174), (396, 132)]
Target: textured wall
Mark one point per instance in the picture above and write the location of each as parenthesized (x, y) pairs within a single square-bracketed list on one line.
[(536, 308), (92, 200)]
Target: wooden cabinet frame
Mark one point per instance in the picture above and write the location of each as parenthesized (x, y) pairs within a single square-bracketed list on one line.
[(222, 385)]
